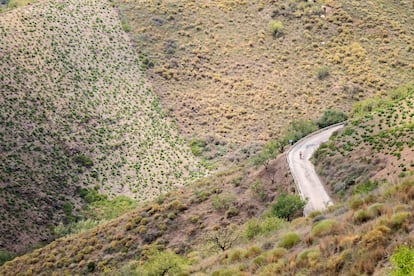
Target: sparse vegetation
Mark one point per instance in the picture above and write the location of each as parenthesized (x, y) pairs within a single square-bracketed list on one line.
[(92, 140), (90, 119)]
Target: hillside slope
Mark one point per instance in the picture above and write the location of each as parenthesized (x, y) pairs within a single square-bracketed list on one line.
[(376, 146), (76, 112), (179, 220), (237, 72), (205, 229)]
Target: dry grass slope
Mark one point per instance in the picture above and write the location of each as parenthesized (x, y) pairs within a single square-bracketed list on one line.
[(219, 70), (76, 111), (179, 220)]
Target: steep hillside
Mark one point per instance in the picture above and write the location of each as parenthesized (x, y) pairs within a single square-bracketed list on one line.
[(376, 146), (241, 222), (75, 112), (180, 221), (236, 72)]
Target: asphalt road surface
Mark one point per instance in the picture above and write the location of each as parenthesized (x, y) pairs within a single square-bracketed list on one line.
[(307, 181)]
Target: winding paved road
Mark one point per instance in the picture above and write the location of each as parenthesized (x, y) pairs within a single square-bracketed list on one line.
[(307, 181)]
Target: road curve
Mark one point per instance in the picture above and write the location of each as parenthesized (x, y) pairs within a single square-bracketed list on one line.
[(308, 183)]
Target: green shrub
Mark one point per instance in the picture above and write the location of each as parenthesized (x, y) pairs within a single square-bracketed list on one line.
[(307, 255), (286, 206), (235, 255), (273, 268), (361, 216), (403, 261), (289, 240), (75, 227), (401, 92), (255, 227), (322, 72), (271, 224), (323, 227), (6, 256), (276, 254), (223, 201), (232, 212), (331, 117), (299, 129), (269, 151), (365, 187), (252, 251), (165, 263), (276, 28), (398, 219), (197, 146), (83, 160), (258, 262), (259, 190), (376, 209)]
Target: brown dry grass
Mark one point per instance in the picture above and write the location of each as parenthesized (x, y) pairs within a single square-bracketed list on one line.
[(178, 220), (221, 73)]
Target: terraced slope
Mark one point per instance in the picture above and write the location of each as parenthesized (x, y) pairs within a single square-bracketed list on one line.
[(75, 112), (229, 70)]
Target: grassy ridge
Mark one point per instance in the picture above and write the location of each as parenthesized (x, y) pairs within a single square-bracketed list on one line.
[(75, 112)]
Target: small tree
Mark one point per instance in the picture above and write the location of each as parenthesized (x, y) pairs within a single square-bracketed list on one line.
[(270, 151), (299, 129), (164, 263), (276, 28), (286, 206), (222, 239)]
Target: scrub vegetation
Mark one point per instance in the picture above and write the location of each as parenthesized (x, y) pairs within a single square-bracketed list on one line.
[(77, 112), (150, 137)]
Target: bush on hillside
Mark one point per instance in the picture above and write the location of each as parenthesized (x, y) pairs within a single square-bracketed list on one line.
[(223, 201), (331, 117), (286, 206), (289, 240), (276, 28), (322, 72), (299, 129), (269, 151), (6, 256), (403, 261)]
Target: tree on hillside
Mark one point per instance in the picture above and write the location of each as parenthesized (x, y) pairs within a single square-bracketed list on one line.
[(222, 239), (286, 206), (164, 263), (269, 151)]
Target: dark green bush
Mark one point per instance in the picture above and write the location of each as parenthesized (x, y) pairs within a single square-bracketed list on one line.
[(6, 256), (331, 117), (286, 206), (299, 129), (83, 160)]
